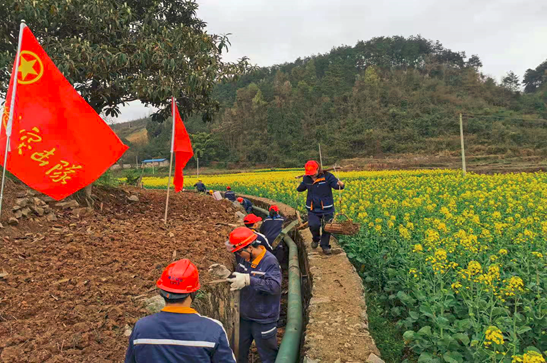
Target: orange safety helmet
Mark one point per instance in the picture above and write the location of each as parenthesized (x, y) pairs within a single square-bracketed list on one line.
[(241, 237), (274, 208), (240, 200), (228, 188), (311, 167), (179, 278), (251, 219)]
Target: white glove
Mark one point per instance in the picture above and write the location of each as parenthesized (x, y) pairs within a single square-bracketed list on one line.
[(219, 270), (239, 281)]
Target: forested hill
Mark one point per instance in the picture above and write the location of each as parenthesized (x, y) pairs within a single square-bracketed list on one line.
[(384, 96)]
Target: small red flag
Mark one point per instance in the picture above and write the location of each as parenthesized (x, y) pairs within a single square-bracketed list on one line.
[(181, 146), (58, 143)]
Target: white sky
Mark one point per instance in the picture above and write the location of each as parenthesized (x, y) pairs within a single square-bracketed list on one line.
[(505, 34)]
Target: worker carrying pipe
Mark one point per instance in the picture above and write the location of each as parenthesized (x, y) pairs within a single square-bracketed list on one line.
[(271, 227), (229, 194), (246, 204), (320, 202), (200, 187), (258, 276), (178, 333), (252, 222)]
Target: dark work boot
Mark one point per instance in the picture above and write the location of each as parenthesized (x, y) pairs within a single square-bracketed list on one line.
[(327, 251), (314, 244)]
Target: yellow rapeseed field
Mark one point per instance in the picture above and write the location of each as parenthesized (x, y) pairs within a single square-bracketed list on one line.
[(459, 262)]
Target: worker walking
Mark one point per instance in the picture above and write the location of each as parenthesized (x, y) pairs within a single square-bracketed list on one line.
[(229, 194), (259, 279), (271, 227), (178, 333), (252, 221), (200, 187), (320, 203), (246, 204)]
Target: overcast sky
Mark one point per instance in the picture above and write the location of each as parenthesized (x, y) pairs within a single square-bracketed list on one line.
[(505, 34)]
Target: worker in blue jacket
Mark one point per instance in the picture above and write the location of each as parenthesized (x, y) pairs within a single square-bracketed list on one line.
[(229, 194), (200, 187), (252, 221), (178, 333), (246, 204), (258, 277), (271, 227), (320, 203)]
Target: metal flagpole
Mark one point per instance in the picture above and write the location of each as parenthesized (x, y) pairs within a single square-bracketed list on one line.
[(463, 148), (170, 162), (10, 117)]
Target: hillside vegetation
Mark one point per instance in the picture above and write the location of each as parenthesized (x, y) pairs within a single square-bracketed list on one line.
[(385, 96)]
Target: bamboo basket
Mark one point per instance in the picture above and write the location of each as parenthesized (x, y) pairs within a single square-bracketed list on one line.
[(346, 227)]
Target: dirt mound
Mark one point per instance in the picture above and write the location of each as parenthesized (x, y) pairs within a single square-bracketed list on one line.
[(73, 285)]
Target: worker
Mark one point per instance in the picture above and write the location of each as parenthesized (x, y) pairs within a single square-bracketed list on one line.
[(271, 227), (200, 187), (259, 279), (246, 204), (230, 195), (252, 222), (178, 333), (320, 203)]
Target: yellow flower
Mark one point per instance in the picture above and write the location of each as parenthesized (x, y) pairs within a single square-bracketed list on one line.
[(418, 248), (537, 254), (503, 251), (493, 335)]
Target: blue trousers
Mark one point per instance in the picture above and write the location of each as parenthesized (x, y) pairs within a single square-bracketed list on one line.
[(316, 222), (265, 337)]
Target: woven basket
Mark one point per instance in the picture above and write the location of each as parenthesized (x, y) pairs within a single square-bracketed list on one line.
[(347, 227)]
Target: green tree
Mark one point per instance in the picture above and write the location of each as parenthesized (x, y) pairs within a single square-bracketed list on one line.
[(535, 78), (511, 82), (115, 52)]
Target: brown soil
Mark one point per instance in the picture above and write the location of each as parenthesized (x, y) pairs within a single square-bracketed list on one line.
[(74, 284)]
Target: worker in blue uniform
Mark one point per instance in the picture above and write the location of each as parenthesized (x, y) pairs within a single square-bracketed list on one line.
[(252, 222), (271, 227), (258, 277), (200, 187), (178, 333), (320, 203), (229, 194), (246, 204)]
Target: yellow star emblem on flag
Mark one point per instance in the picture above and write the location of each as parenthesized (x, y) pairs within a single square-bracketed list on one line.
[(31, 68)]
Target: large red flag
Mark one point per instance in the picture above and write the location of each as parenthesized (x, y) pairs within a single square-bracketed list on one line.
[(59, 144), (181, 146)]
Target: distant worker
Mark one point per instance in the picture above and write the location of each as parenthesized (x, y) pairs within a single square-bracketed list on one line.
[(230, 195), (252, 222), (259, 279), (211, 192), (271, 228), (178, 333), (246, 204), (200, 187), (320, 203)]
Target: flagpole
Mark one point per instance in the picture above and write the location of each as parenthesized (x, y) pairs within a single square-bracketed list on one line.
[(10, 117), (171, 160)]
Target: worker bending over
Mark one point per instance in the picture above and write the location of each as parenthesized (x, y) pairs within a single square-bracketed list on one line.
[(320, 203), (246, 204), (200, 187), (178, 333), (252, 222), (271, 227), (259, 279), (229, 194)]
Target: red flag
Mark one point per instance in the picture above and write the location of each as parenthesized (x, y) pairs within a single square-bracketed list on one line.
[(181, 146), (59, 144)]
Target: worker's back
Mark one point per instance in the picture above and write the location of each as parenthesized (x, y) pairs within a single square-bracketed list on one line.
[(230, 195), (178, 335)]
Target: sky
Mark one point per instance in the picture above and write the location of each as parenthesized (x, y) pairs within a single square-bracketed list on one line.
[(505, 34)]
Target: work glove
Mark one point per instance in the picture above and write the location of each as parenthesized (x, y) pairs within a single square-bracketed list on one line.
[(219, 270), (239, 281)]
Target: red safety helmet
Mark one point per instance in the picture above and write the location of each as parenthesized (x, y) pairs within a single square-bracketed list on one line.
[(241, 237), (274, 208), (311, 167), (240, 200), (180, 277), (251, 219), (228, 188)]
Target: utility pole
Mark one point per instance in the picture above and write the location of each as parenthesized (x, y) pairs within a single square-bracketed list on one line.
[(463, 148)]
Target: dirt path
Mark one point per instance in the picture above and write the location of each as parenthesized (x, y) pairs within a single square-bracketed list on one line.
[(74, 284)]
